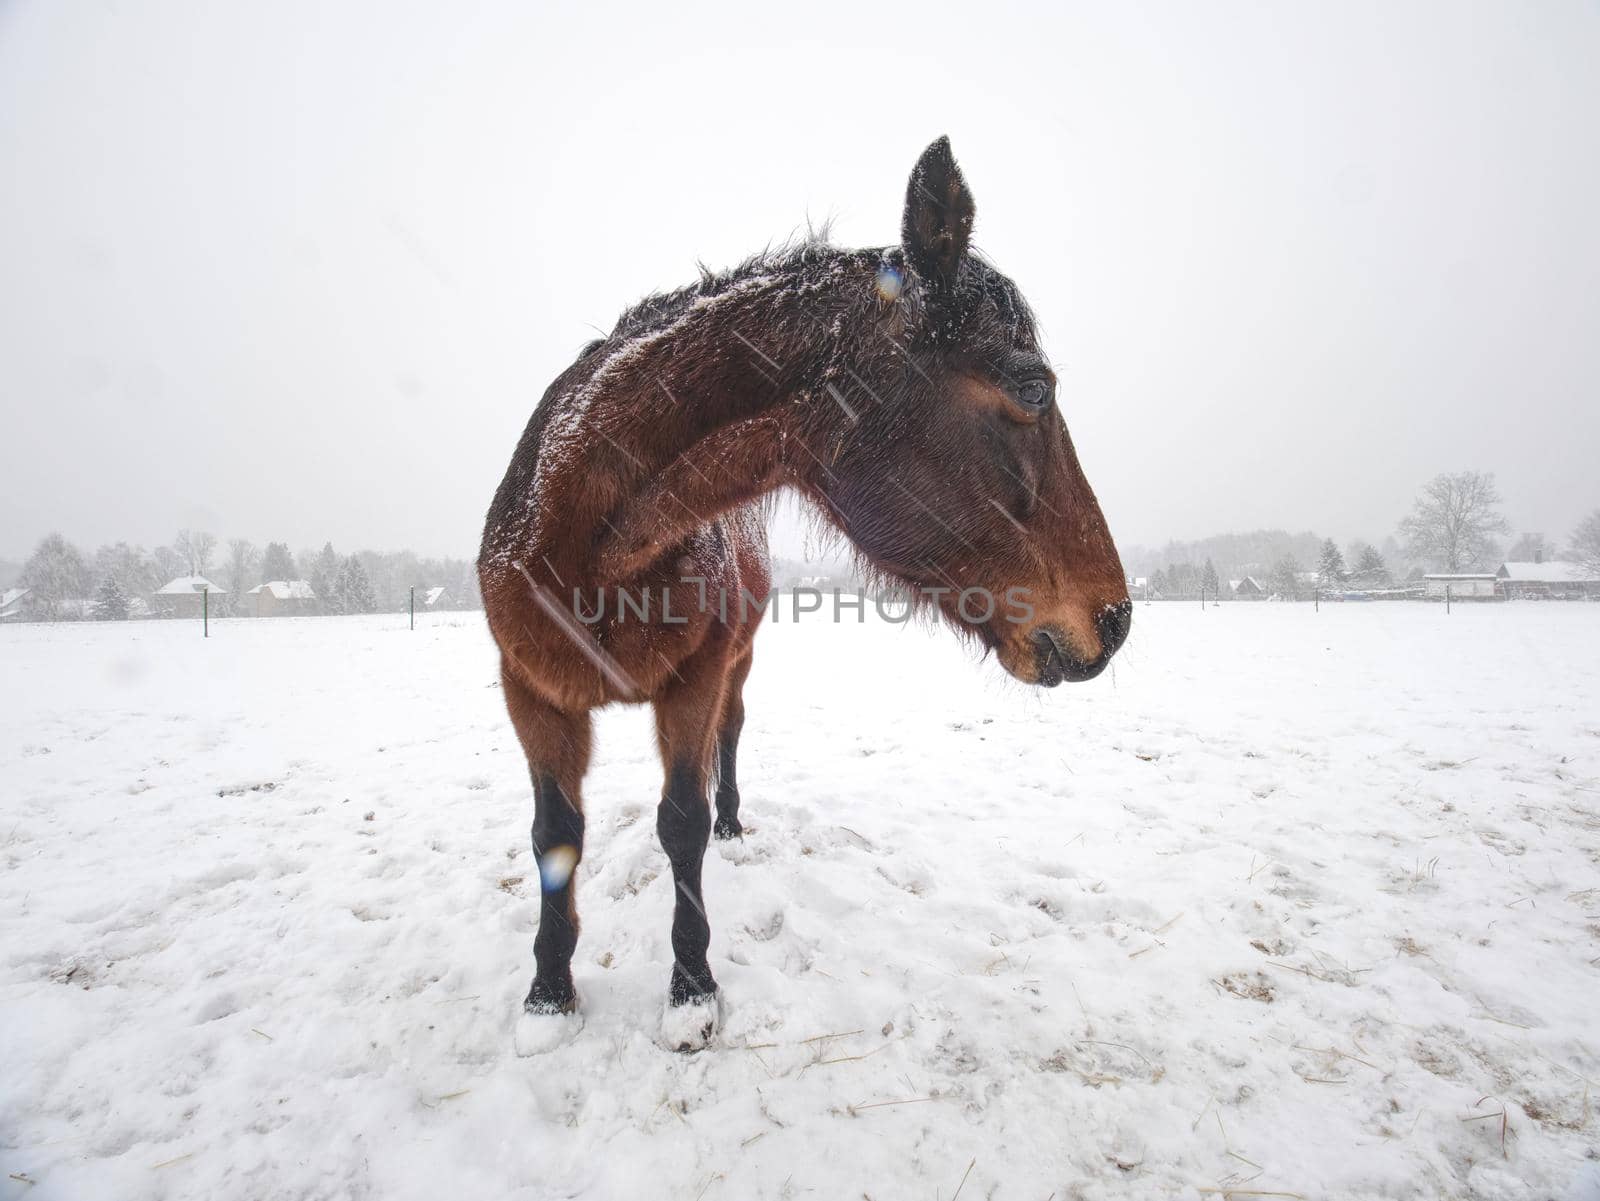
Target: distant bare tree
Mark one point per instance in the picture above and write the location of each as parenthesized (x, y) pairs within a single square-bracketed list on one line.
[(56, 578), (1453, 520), (1531, 548), (242, 560), (135, 571), (1285, 578), (195, 546), (169, 563), (1586, 542)]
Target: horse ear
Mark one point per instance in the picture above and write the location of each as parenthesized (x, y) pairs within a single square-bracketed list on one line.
[(938, 220)]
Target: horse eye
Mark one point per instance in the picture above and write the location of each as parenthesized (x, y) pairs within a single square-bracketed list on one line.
[(1035, 393)]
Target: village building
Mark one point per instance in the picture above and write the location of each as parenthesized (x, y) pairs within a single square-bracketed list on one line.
[(185, 596), (1247, 588), (1457, 586), (283, 598), (436, 598), (1547, 581)]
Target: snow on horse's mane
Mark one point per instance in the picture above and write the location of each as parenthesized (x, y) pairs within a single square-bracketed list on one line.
[(795, 256)]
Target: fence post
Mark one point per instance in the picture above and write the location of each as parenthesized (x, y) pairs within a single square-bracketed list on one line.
[(205, 612), (1447, 598), (413, 607)]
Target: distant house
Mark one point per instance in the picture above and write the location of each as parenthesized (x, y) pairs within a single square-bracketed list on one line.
[(283, 598), (436, 598), (1247, 588), (1547, 581), (11, 604), (1469, 585), (184, 596)]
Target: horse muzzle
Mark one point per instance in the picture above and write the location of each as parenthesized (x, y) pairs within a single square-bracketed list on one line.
[(1054, 656)]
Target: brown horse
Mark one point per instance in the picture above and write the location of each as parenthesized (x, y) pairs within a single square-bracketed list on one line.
[(900, 390)]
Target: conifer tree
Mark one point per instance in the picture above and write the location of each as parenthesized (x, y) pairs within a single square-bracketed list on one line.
[(1330, 567), (110, 603), (1370, 569), (324, 576), (277, 563), (1286, 578), (352, 590)]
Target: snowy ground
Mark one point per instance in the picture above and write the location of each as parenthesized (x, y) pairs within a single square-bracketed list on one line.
[(1290, 902)]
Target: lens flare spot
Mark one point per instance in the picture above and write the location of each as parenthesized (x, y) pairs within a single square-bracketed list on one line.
[(889, 284), (555, 867)]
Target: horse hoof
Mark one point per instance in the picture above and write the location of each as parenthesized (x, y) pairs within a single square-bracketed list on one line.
[(728, 827), (691, 1026), (540, 1031)]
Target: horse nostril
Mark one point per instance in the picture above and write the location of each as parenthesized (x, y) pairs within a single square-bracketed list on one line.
[(1112, 625)]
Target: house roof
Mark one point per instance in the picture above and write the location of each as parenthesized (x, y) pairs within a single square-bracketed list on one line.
[(1460, 575), (432, 595), (1553, 572), (11, 596), (287, 589), (187, 584)]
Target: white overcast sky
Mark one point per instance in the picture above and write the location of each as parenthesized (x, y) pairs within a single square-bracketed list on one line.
[(300, 271)]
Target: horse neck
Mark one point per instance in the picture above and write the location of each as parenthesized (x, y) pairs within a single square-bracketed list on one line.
[(749, 352)]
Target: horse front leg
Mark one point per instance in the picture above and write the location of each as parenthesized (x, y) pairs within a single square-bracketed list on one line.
[(556, 744), (557, 848), (687, 718)]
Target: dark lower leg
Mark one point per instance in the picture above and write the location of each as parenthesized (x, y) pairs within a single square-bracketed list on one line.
[(557, 848), (683, 823), (728, 787), (727, 825)]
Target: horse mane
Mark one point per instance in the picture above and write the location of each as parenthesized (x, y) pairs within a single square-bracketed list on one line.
[(806, 256), (800, 253)]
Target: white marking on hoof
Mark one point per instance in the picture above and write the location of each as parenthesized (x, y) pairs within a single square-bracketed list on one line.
[(541, 1033), (744, 849), (691, 1026)]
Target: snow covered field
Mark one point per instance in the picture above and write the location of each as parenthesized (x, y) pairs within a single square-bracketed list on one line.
[(1288, 902)]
